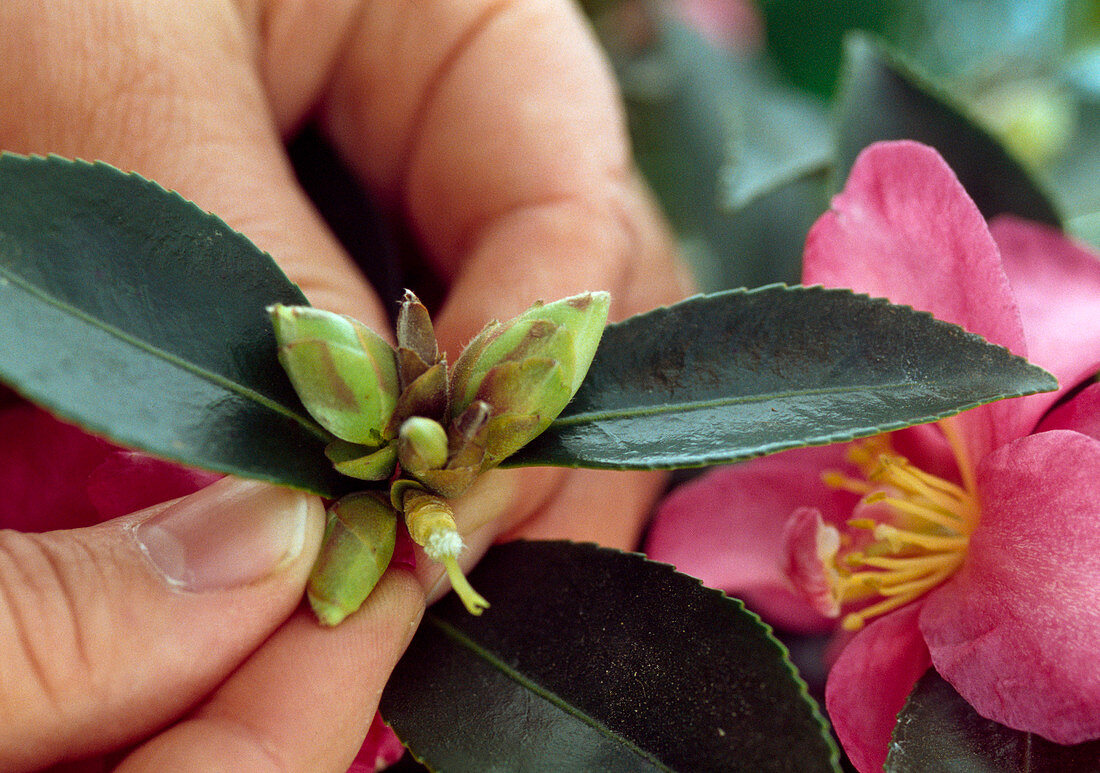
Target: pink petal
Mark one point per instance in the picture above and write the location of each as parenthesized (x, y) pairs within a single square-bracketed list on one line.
[(1080, 414), (809, 552), (1017, 629), (904, 229), (45, 465), (1057, 288), (726, 528), (128, 481), (926, 447), (870, 681), (732, 24), (404, 550), (380, 749)]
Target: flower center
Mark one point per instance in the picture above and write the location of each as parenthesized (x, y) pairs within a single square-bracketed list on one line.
[(911, 529)]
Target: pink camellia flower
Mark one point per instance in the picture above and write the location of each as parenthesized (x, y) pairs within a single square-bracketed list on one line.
[(973, 544), (56, 476)]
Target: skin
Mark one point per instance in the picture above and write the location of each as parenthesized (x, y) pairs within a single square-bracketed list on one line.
[(495, 130)]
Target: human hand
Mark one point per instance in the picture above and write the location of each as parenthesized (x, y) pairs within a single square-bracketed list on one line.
[(494, 128)]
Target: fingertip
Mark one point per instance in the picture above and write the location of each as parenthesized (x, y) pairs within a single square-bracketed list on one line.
[(108, 637)]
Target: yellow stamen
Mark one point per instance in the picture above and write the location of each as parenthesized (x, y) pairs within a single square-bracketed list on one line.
[(929, 485), (901, 537), (962, 456), (841, 482), (945, 518), (916, 562), (919, 533)]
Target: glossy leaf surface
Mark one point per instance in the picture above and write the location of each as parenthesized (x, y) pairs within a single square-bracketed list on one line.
[(883, 98), (938, 730), (733, 375), (128, 310), (592, 659)]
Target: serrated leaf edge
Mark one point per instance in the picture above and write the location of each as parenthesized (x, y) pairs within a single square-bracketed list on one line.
[(769, 635), (56, 160)]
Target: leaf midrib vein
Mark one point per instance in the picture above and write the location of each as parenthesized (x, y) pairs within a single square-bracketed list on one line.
[(515, 675), (175, 360), (718, 402)]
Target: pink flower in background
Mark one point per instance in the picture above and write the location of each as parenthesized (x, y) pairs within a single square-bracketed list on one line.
[(973, 545), (380, 750), (733, 24), (56, 476)]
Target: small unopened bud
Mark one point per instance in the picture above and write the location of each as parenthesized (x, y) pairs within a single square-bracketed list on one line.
[(344, 373), (431, 524), (358, 544), (422, 445)]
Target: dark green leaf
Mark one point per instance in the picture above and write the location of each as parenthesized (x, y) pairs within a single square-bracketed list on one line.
[(805, 37), (938, 730), (729, 376), (591, 659), (128, 310), (883, 98)]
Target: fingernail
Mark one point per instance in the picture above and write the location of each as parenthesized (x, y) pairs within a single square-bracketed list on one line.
[(230, 534)]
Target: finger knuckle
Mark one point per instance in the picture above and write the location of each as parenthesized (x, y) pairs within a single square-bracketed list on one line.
[(44, 625)]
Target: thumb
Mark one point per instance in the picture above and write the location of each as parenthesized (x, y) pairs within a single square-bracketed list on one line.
[(107, 633)]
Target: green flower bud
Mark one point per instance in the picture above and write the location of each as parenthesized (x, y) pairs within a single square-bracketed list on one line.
[(465, 456), (526, 371), (359, 540), (422, 445), (566, 332), (427, 395), (417, 348), (344, 373)]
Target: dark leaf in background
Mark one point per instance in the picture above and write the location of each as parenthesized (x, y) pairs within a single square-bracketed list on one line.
[(938, 730), (735, 156), (733, 375), (592, 659), (882, 98), (805, 37), (140, 317)]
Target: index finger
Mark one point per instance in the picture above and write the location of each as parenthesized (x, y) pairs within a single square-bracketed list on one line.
[(496, 127)]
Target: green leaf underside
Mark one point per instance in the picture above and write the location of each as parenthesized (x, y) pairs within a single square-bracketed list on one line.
[(128, 310), (883, 98), (938, 730), (730, 376), (592, 659)]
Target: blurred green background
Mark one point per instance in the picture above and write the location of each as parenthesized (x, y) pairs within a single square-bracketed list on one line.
[(746, 116)]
